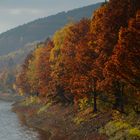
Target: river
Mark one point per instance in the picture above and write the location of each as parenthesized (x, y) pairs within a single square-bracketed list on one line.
[(12, 129)]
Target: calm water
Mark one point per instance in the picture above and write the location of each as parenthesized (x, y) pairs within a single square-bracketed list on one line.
[(10, 127)]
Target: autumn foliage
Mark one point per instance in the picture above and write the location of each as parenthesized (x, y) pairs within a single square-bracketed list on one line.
[(97, 58)]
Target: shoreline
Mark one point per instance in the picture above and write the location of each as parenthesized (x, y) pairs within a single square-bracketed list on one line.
[(14, 100), (24, 121), (57, 122)]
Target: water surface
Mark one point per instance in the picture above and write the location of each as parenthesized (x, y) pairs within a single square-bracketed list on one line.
[(11, 128)]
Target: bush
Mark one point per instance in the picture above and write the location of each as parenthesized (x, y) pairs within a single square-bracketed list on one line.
[(117, 116), (115, 130), (44, 108), (30, 101), (135, 132), (83, 103), (120, 130), (114, 126), (78, 120)]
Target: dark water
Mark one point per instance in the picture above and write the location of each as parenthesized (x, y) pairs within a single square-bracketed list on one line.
[(12, 129)]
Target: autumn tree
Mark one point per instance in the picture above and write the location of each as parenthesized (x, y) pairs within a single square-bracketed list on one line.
[(105, 26), (95, 58), (56, 84), (124, 63), (78, 56), (22, 84), (32, 72), (78, 33), (43, 68), (34, 76)]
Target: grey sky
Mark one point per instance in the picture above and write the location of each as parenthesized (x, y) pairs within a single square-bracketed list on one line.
[(18, 12)]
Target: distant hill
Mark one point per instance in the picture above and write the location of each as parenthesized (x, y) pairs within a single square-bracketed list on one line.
[(40, 29), (16, 43), (13, 58)]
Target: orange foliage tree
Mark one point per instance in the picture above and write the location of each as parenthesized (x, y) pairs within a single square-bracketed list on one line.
[(89, 57), (77, 61), (43, 68), (124, 63), (22, 84)]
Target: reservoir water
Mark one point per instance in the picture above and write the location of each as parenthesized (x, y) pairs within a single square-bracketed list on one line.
[(11, 128)]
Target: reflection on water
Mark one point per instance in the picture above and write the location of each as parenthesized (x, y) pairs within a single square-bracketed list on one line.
[(11, 129)]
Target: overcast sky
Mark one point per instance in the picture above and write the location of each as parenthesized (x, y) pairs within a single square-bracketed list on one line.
[(18, 12)]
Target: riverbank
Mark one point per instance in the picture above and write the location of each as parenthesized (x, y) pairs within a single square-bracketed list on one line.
[(61, 122)]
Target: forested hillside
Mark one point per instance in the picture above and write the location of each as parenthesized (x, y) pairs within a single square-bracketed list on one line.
[(90, 58), (16, 43), (92, 63)]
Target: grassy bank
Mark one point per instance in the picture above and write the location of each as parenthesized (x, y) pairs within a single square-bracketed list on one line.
[(65, 123)]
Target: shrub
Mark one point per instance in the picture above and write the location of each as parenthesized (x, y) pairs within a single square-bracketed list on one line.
[(30, 101), (120, 130), (83, 103), (114, 126), (116, 115), (115, 130), (44, 108), (78, 120), (134, 132)]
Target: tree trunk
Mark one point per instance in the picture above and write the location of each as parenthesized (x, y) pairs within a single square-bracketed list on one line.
[(119, 101), (121, 98), (95, 102)]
